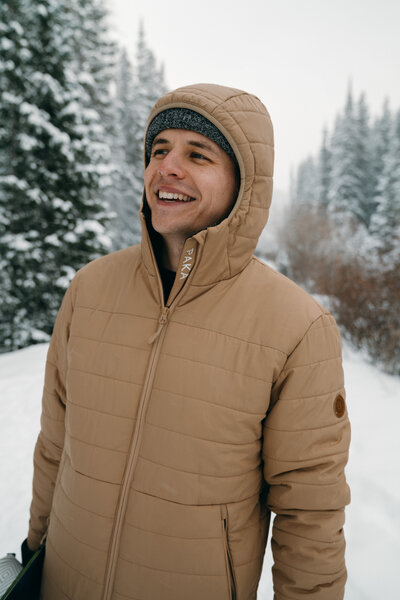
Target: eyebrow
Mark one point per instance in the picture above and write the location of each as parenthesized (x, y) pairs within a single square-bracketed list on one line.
[(160, 141), (202, 145), (196, 144)]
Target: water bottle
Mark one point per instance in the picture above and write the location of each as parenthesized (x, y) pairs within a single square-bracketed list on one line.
[(9, 569)]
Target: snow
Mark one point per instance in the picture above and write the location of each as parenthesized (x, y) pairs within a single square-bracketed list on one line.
[(71, 237), (66, 277), (42, 10), (16, 27), (27, 142), (373, 519), (12, 98), (41, 121), (12, 180), (45, 81), (72, 108), (89, 225), (6, 44), (17, 241), (64, 205), (53, 239)]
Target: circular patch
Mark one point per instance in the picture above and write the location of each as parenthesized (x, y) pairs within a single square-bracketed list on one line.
[(339, 406)]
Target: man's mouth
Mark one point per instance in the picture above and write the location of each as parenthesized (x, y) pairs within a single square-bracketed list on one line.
[(171, 197)]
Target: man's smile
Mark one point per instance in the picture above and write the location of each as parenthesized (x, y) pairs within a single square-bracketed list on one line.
[(173, 197)]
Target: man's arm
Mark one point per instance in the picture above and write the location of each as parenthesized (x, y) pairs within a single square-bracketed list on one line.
[(306, 440), (50, 442)]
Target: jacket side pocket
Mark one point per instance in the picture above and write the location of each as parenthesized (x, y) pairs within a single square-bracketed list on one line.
[(228, 556)]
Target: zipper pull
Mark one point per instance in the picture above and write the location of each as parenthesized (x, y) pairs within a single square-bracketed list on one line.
[(162, 321)]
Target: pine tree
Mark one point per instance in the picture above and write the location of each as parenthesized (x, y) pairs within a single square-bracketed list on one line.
[(137, 89), (350, 193), (397, 123), (51, 149), (125, 192), (306, 188), (385, 223), (364, 161), (324, 172), (149, 86), (380, 140)]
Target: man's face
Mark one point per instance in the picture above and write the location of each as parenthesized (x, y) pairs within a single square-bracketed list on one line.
[(190, 183)]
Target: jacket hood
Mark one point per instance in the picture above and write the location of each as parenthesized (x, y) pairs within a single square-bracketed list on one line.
[(225, 249)]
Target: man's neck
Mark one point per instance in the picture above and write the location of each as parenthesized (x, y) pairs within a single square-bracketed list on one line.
[(171, 251)]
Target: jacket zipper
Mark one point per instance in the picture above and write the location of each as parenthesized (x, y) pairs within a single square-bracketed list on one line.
[(157, 337), (228, 557), (162, 321)]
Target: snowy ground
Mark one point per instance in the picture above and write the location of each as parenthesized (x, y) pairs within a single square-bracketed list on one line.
[(373, 519)]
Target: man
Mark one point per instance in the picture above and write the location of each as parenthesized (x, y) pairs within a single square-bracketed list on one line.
[(190, 390)]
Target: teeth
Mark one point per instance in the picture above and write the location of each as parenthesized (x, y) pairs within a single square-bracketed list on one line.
[(170, 196)]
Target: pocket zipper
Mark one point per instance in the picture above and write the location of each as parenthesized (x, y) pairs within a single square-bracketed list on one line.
[(228, 557)]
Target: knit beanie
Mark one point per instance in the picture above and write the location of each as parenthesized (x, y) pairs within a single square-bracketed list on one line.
[(184, 118)]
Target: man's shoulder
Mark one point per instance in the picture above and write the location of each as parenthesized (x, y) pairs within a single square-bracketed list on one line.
[(115, 262), (99, 280), (282, 292), (284, 310)]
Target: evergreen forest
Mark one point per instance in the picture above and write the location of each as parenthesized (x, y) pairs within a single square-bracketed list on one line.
[(72, 115), (340, 236)]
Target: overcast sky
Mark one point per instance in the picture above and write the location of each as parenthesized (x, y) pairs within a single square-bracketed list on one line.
[(297, 56)]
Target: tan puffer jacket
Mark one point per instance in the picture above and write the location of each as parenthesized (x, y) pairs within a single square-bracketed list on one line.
[(162, 423)]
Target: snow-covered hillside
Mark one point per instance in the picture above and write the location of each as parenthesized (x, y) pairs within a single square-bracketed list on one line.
[(373, 519)]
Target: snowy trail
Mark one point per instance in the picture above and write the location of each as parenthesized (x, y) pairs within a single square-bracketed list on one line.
[(373, 518), (21, 382)]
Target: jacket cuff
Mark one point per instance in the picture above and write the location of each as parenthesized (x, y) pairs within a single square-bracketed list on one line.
[(26, 553)]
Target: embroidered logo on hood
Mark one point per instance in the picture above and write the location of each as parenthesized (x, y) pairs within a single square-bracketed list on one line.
[(187, 263)]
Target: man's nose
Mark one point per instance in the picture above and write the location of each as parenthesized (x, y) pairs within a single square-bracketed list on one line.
[(172, 166)]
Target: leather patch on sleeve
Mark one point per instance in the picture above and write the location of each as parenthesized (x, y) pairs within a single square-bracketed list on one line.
[(339, 406)]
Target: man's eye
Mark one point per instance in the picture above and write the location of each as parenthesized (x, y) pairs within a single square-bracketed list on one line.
[(158, 151), (199, 156)]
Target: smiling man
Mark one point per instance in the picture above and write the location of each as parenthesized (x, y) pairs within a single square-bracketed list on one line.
[(191, 390), (190, 185)]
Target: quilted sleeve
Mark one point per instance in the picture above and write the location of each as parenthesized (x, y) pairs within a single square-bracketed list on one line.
[(50, 441), (305, 450)]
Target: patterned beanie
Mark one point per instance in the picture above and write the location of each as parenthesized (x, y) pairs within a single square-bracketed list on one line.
[(184, 118)]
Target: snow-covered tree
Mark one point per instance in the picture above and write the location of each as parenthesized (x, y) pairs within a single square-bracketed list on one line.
[(324, 174), (52, 162), (306, 184), (385, 223), (349, 194), (94, 55), (380, 140), (351, 251), (125, 192), (364, 161), (149, 86), (137, 89), (397, 123)]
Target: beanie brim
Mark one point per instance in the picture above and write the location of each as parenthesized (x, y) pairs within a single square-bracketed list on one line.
[(184, 118)]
